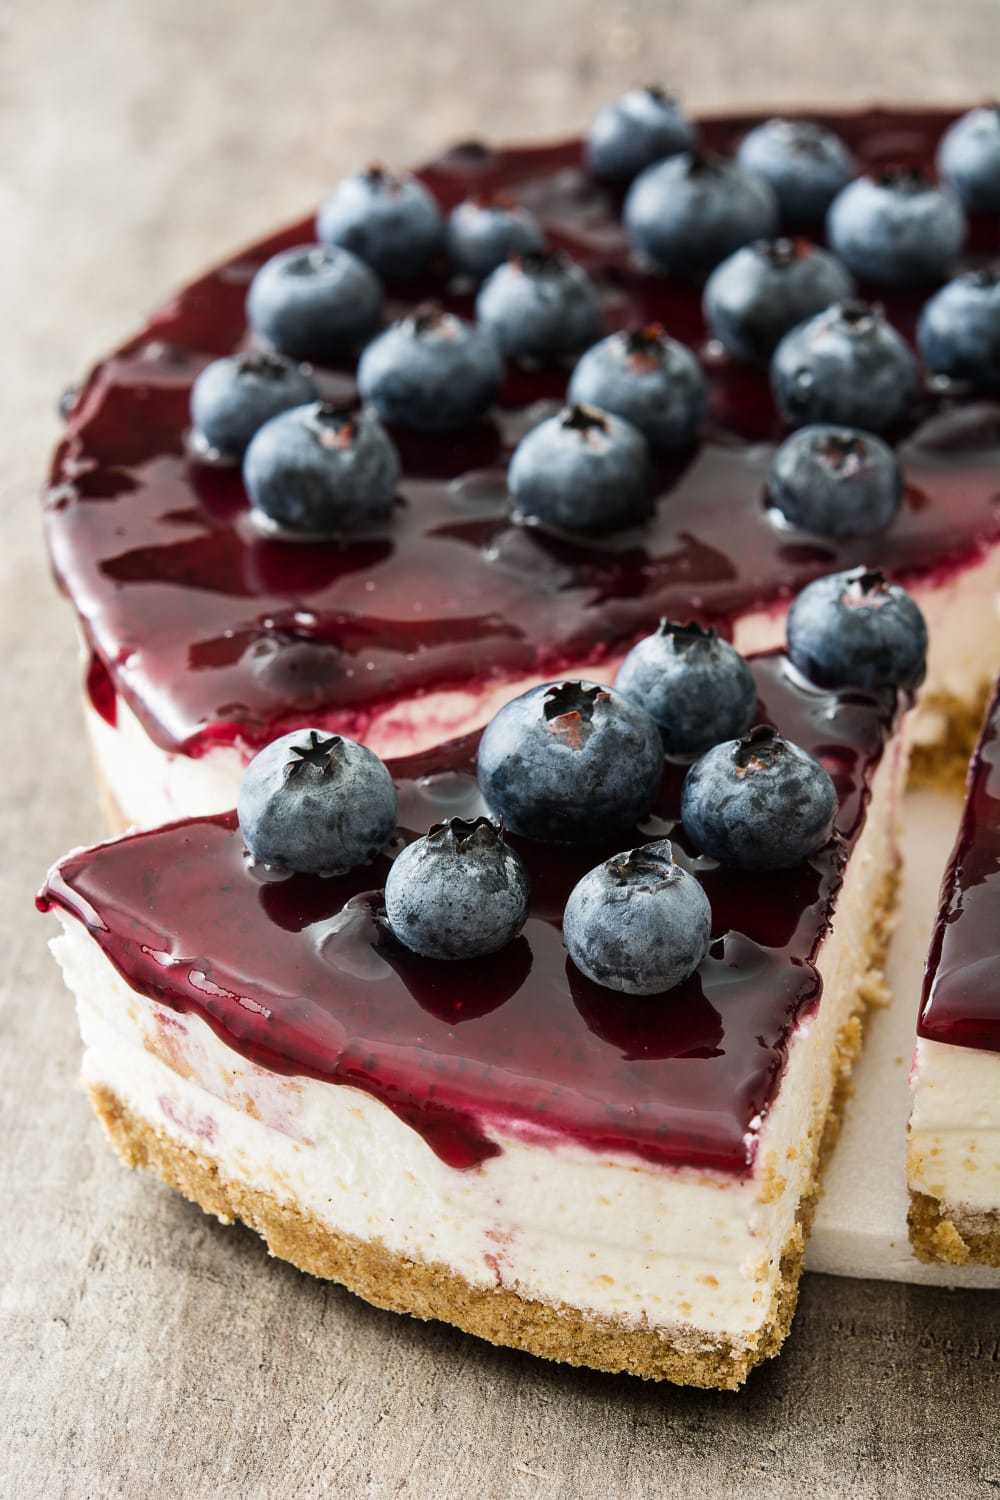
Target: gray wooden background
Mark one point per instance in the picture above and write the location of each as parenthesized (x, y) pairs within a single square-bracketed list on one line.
[(147, 1351)]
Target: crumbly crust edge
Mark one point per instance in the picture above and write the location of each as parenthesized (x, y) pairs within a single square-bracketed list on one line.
[(946, 1234)]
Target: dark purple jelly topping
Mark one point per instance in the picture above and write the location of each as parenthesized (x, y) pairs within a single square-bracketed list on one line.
[(301, 976), (191, 609), (961, 1000)]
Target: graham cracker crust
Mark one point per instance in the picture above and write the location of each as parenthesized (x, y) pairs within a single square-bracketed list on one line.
[(945, 762), (682, 1355), (940, 1233)]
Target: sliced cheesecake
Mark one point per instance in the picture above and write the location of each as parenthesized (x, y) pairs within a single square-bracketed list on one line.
[(615, 1181), (954, 1140)]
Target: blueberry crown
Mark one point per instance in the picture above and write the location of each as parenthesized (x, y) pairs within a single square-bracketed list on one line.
[(782, 252), (985, 276), (540, 262), (487, 198), (317, 258), (644, 345), (857, 316), (322, 753), (705, 164), (659, 93), (583, 419), (689, 634), (466, 833), (573, 698), (430, 318), (801, 135), (866, 586), (648, 868), (903, 179), (262, 362), (334, 423), (379, 177), (843, 452), (759, 749)]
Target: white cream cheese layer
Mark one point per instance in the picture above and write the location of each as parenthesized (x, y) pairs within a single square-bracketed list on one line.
[(955, 1126)]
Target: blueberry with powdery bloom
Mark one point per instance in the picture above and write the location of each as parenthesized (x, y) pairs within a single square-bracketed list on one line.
[(642, 127), (805, 163), (653, 381), (855, 629), (764, 289), (847, 365), (638, 923), (959, 329), (539, 307), (688, 213), (317, 803), (584, 470), (758, 803), (314, 302), (322, 470), (697, 687), (896, 229), (432, 372), (486, 229), (571, 762), (836, 481), (234, 396), (459, 892), (389, 219), (969, 159)]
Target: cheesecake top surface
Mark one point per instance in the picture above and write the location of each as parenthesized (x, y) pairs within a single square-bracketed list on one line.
[(213, 631), (301, 975), (961, 998)]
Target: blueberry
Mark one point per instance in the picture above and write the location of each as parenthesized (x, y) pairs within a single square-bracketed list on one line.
[(846, 365), (896, 229), (539, 306), (653, 381), (764, 289), (584, 470), (759, 802), (697, 688), (836, 481), (431, 372), (322, 470), (316, 802), (642, 127), (486, 229), (570, 761), (638, 923), (969, 159), (233, 397), (806, 165), (389, 219), (959, 329), (460, 892), (316, 303), (688, 213), (854, 629)]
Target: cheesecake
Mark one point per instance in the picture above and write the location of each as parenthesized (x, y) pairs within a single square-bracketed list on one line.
[(954, 1135), (612, 1180), (204, 635)]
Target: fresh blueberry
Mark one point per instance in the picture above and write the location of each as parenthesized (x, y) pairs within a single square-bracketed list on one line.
[(959, 329), (642, 127), (759, 802), (846, 365), (389, 219), (316, 802), (233, 397), (653, 381), (539, 306), (486, 229), (764, 289), (688, 213), (321, 470), (585, 470), (312, 302), (460, 892), (697, 688), (806, 165), (969, 159), (638, 923), (570, 761), (854, 629), (896, 229), (836, 481), (431, 372)]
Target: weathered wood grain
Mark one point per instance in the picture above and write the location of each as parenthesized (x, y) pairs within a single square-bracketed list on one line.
[(148, 1352)]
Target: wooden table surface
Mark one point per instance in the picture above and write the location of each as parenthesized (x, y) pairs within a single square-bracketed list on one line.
[(148, 1351)]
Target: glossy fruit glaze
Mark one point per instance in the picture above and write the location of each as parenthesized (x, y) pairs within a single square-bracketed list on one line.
[(961, 1000), (300, 975), (214, 632)]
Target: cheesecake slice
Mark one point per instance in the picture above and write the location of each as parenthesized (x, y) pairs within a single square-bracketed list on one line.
[(204, 637), (954, 1138), (619, 1182)]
